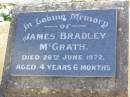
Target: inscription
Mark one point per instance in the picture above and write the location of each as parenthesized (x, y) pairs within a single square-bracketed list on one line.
[(65, 43)]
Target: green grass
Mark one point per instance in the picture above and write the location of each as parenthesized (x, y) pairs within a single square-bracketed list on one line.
[(6, 17)]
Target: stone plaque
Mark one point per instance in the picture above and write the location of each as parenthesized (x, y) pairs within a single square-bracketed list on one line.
[(65, 43), (92, 35)]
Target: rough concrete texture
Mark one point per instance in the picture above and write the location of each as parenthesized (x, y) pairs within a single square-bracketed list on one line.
[(72, 87)]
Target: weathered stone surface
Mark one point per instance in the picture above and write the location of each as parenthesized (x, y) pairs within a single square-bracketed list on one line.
[(72, 87), (4, 29)]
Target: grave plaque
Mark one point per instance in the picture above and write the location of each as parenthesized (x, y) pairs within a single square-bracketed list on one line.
[(68, 49), (65, 43)]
